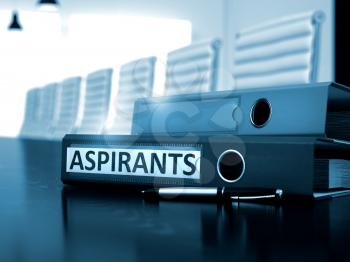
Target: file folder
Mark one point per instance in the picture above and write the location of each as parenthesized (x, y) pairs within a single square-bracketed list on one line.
[(300, 166), (317, 109)]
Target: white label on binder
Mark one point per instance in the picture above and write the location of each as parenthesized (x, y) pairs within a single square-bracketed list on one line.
[(134, 161)]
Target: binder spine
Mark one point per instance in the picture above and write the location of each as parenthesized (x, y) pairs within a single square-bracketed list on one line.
[(222, 161), (289, 110)]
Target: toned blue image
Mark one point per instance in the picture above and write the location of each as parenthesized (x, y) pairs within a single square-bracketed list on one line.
[(161, 130)]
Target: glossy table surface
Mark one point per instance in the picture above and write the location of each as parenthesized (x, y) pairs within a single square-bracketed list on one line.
[(43, 220)]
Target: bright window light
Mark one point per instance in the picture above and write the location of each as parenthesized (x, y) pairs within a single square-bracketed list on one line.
[(25, 62), (96, 41), (43, 53), (100, 41)]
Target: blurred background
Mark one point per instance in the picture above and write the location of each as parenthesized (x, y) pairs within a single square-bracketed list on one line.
[(75, 38)]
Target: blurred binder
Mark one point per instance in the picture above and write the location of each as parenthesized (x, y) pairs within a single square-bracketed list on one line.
[(317, 109), (301, 166)]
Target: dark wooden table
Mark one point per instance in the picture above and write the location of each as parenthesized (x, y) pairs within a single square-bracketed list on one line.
[(42, 220)]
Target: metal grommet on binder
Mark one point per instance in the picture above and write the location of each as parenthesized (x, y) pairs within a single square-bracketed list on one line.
[(231, 166), (260, 113)]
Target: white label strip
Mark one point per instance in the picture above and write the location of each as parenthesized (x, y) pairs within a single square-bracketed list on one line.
[(184, 164)]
